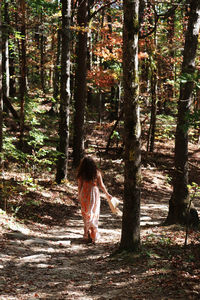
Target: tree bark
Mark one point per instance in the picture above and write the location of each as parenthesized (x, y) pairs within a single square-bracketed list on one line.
[(1, 96), (5, 61), (1, 106), (42, 56), (56, 75), (23, 69), (12, 70), (80, 82), (178, 204), (153, 120), (63, 147), (171, 71), (154, 82), (130, 238)]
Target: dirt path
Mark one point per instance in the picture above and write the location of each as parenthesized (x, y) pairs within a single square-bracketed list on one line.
[(42, 262), (39, 261), (46, 258)]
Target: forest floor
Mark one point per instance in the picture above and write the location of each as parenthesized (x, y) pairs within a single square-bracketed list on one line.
[(43, 255)]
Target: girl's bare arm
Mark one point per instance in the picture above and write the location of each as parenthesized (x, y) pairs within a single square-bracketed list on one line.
[(102, 185)]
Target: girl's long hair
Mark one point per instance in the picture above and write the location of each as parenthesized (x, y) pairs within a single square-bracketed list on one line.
[(87, 170)]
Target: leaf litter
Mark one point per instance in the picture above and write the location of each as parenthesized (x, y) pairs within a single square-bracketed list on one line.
[(43, 255)]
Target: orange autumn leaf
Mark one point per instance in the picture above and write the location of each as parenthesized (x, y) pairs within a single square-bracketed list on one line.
[(142, 55)]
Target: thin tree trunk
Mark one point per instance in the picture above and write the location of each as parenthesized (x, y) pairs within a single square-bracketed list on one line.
[(23, 69), (42, 72), (130, 238), (1, 97), (6, 66), (12, 72), (152, 129), (5, 52), (63, 147), (180, 199), (80, 82), (113, 98), (56, 74), (12, 58), (1, 108), (171, 71), (154, 81)]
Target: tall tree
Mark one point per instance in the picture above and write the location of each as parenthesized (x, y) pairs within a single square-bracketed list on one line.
[(1, 95), (5, 52), (64, 93), (42, 55), (179, 202), (23, 68), (1, 103), (153, 89), (130, 238), (170, 37), (7, 62), (80, 82), (56, 74), (12, 71)]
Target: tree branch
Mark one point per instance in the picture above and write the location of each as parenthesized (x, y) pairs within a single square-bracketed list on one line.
[(165, 15), (102, 7)]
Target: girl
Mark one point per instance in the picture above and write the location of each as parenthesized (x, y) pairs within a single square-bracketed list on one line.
[(89, 181)]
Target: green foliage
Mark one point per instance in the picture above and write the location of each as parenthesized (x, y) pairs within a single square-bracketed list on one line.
[(15, 210), (30, 183), (193, 122), (168, 179), (194, 189), (188, 77), (165, 241), (18, 35), (38, 152), (10, 150), (41, 5), (36, 138), (194, 119), (43, 157), (165, 127), (115, 135)]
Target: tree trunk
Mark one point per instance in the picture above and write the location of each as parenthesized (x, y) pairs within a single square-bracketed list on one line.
[(64, 93), (56, 75), (171, 71), (178, 204), (23, 69), (12, 60), (12, 72), (154, 81), (1, 97), (152, 129), (5, 53), (130, 238), (1, 107), (42, 71), (80, 82)]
